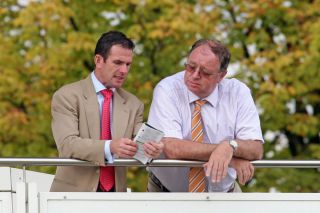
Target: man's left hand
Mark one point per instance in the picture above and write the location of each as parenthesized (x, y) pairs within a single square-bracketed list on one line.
[(244, 168), (153, 149)]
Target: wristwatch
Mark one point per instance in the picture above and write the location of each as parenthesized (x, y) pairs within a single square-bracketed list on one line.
[(234, 145)]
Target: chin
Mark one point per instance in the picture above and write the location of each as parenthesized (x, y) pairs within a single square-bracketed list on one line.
[(196, 92), (193, 89), (117, 85)]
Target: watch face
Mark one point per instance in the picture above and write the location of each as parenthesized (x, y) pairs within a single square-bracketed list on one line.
[(234, 144)]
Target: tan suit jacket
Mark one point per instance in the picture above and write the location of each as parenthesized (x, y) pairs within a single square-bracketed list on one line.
[(76, 131)]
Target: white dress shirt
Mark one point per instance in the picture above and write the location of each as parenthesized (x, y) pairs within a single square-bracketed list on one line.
[(229, 114)]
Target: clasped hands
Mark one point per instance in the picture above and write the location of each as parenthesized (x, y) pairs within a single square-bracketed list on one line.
[(221, 158), (126, 148)]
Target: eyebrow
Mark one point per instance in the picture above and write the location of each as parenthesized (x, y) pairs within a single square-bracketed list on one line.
[(194, 63)]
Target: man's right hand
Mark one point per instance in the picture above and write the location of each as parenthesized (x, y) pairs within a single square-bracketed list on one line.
[(123, 147), (218, 163)]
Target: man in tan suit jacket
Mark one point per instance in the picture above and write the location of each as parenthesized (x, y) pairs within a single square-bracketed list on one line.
[(76, 112)]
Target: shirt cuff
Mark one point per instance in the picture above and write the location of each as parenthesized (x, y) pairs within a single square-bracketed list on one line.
[(107, 152)]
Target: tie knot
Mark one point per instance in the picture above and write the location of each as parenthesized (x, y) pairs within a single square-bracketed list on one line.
[(107, 93), (200, 103)]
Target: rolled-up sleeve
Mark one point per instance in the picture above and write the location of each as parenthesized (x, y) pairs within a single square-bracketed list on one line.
[(164, 113), (248, 122)]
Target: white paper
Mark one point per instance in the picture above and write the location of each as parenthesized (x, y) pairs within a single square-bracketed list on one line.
[(145, 134)]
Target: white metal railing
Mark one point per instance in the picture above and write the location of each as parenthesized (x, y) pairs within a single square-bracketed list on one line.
[(24, 162), (155, 163), (28, 199)]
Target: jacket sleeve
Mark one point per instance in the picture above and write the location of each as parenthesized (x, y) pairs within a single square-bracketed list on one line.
[(67, 112)]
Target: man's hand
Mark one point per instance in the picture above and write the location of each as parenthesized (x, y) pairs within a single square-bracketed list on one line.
[(244, 168), (123, 147), (218, 163), (153, 149)]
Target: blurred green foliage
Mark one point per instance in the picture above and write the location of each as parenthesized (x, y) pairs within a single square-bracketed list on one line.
[(275, 49)]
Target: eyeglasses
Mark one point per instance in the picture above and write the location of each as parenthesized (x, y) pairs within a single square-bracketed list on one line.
[(202, 71)]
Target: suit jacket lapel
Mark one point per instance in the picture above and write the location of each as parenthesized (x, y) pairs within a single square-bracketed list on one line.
[(91, 108), (120, 116)]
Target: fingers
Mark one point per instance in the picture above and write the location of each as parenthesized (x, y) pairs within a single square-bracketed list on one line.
[(125, 153), (219, 171), (207, 169), (245, 171), (124, 147), (149, 150), (217, 166), (248, 173), (241, 177), (215, 173), (225, 170), (251, 171), (153, 149)]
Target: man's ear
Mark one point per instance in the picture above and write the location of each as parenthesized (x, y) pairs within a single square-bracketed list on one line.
[(98, 60), (222, 75)]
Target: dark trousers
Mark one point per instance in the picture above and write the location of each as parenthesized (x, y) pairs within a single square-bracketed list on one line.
[(155, 185)]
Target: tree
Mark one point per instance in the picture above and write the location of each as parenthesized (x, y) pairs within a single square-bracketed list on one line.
[(277, 45)]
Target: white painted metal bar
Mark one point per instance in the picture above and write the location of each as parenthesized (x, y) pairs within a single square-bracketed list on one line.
[(33, 201), (5, 202), (173, 202), (21, 197)]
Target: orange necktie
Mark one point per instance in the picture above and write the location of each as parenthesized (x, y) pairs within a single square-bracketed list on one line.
[(196, 175)]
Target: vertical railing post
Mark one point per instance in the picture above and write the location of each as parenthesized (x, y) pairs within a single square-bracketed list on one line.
[(24, 178), (21, 197)]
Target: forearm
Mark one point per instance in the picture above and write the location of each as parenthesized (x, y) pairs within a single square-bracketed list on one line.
[(182, 149), (234, 161), (249, 149)]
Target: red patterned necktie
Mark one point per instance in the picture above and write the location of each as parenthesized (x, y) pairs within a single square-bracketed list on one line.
[(196, 175), (107, 179)]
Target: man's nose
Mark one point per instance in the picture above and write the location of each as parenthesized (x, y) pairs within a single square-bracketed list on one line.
[(124, 68), (196, 73)]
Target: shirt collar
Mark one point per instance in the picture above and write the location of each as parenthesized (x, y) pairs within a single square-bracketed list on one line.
[(212, 98), (98, 86)]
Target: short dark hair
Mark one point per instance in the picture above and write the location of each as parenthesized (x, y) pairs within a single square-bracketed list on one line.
[(108, 39), (217, 48)]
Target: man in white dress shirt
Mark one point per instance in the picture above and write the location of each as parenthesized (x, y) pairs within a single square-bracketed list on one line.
[(231, 128)]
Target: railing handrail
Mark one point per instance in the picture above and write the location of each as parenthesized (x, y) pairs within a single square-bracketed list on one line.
[(155, 163)]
